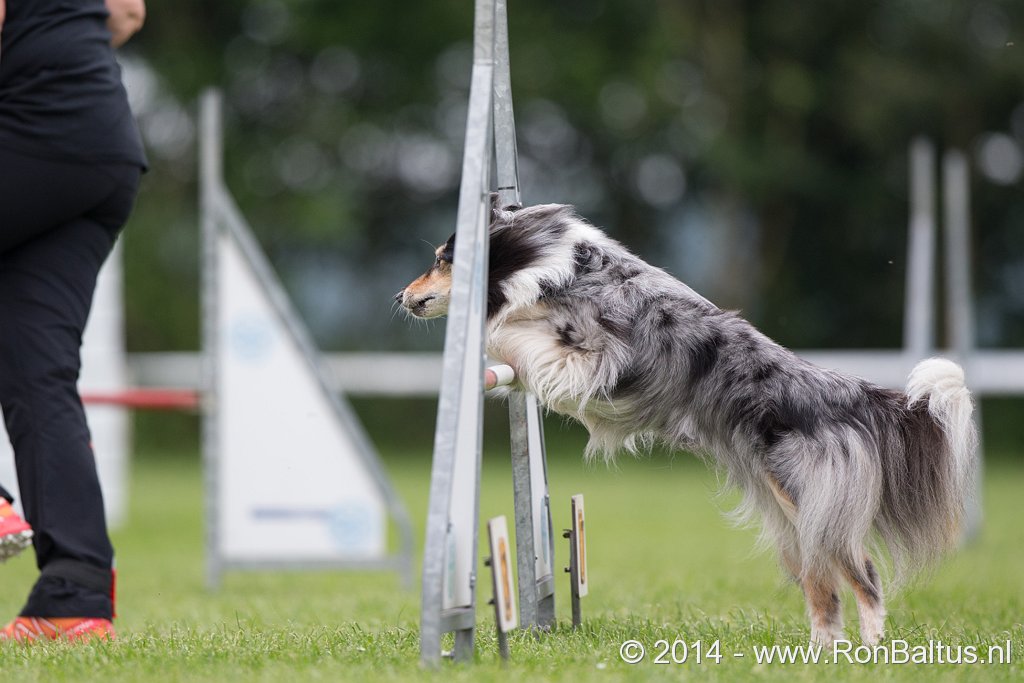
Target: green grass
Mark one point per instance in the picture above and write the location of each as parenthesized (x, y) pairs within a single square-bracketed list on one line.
[(663, 563)]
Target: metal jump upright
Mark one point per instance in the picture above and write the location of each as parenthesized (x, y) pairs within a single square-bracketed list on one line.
[(450, 554)]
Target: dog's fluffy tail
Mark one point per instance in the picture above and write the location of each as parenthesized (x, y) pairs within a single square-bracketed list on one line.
[(925, 497)]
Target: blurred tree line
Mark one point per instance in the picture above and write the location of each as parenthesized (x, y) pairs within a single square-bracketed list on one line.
[(756, 149)]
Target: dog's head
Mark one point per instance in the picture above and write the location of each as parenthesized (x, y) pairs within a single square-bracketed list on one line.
[(427, 296), (530, 248)]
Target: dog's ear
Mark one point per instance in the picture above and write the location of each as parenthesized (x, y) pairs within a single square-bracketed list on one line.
[(448, 252), (496, 206), (502, 216)]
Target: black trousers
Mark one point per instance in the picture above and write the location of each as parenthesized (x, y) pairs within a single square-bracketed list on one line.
[(58, 223)]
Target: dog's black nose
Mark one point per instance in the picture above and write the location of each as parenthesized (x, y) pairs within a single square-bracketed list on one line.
[(398, 297)]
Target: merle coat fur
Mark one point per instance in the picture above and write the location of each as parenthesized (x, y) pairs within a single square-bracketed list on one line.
[(827, 462)]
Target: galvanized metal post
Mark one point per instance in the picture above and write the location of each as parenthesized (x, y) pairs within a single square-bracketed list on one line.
[(449, 564), (534, 541), (211, 155), (506, 156), (448, 582)]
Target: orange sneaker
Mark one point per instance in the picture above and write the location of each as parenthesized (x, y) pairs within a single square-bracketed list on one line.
[(15, 533), (28, 629)]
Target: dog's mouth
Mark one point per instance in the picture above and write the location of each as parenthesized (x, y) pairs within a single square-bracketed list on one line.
[(421, 305), (425, 306)]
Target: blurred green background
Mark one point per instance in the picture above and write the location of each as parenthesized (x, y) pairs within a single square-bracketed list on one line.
[(755, 149)]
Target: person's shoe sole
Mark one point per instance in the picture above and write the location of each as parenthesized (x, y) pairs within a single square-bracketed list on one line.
[(28, 630)]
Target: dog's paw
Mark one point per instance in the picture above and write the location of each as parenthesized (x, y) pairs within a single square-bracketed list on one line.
[(826, 634), (872, 630)]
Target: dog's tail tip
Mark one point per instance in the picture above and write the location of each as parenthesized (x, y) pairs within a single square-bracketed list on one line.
[(936, 376), (941, 383)]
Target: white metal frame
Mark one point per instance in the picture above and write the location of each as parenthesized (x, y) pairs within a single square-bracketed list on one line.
[(220, 216)]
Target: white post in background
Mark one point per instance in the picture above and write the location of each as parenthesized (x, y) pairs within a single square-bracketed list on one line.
[(919, 304), (104, 369), (956, 187)]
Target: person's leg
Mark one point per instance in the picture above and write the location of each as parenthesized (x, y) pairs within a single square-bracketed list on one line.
[(46, 285), (38, 195), (45, 292)]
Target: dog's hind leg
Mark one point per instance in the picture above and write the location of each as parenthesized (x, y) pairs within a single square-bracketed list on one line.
[(821, 589), (789, 558), (867, 587), (823, 608)]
